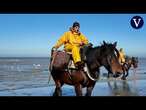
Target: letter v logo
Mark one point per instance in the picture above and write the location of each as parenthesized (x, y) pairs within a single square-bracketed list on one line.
[(137, 22)]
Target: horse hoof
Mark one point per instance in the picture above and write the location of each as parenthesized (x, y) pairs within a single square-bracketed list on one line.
[(123, 78), (116, 75)]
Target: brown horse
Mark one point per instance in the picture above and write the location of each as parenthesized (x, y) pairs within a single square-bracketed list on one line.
[(130, 62), (104, 55)]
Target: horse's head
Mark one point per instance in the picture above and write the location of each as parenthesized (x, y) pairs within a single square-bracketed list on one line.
[(134, 62), (110, 55)]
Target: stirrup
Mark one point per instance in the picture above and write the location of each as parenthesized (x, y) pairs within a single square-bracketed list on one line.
[(71, 65)]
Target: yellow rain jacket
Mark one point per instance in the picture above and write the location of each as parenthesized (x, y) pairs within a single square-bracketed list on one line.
[(71, 41), (122, 57)]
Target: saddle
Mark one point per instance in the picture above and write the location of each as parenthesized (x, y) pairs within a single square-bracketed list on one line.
[(59, 60), (62, 60)]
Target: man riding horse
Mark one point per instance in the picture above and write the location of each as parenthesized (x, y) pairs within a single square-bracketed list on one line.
[(121, 56), (126, 62), (95, 57), (83, 54), (73, 40)]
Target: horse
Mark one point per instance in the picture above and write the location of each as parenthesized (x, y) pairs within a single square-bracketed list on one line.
[(129, 62), (104, 55)]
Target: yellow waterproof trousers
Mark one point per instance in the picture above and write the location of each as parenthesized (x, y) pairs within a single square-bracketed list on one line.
[(75, 50), (122, 60)]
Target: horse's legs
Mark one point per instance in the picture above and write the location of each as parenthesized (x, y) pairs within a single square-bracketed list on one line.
[(89, 90), (127, 73), (126, 68), (58, 91), (78, 89), (124, 76), (109, 75), (92, 84)]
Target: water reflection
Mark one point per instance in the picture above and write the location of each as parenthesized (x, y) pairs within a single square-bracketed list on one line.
[(122, 88)]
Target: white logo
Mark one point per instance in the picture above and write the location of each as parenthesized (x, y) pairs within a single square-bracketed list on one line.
[(137, 23)]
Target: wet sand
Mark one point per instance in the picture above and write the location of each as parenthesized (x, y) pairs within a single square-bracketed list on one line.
[(29, 77), (107, 88)]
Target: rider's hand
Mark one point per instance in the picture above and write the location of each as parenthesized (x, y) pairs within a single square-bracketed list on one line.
[(81, 43), (54, 48)]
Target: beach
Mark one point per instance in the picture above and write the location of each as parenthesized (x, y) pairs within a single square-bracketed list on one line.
[(29, 77), (113, 88)]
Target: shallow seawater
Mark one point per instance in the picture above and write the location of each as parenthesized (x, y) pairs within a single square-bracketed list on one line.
[(113, 88), (28, 74), (18, 73)]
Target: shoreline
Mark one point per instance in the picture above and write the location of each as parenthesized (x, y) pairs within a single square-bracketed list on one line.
[(122, 88)]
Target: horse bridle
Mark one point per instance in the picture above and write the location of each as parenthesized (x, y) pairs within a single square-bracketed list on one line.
[(109, 61)]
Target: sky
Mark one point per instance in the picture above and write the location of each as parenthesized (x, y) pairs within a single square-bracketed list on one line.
[(33, 35)]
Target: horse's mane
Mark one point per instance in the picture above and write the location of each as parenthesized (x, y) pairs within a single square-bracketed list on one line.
[(98, 49), (103, 45)]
